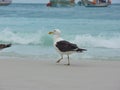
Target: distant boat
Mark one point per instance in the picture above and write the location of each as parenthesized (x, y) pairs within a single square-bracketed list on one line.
[(5, 2), (95, 3), (60, 3)]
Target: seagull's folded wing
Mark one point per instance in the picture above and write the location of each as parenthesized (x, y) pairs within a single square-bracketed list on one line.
[(65, 46)]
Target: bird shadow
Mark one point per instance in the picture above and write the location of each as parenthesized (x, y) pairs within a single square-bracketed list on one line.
[(87, 65)]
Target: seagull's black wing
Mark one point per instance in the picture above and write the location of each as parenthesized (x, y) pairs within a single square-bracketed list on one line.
[(65, 46)]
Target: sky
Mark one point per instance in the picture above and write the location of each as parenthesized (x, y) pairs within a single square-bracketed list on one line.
[(45, 1)]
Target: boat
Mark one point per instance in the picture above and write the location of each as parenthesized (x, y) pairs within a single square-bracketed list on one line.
[(60, 3), (95, 3), (5, 2)]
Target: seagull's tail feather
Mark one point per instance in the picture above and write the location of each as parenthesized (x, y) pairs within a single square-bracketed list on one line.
[(81, 50)]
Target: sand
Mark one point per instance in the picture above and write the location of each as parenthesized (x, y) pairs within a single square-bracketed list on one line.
[(28, 74)]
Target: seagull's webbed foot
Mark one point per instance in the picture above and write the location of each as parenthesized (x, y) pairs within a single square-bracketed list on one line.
[(67, 64)]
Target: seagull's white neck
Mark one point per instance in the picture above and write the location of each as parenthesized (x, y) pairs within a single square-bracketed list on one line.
[(57, 38)]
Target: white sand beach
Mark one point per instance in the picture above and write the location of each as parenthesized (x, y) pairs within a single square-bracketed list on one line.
[(23, 74)]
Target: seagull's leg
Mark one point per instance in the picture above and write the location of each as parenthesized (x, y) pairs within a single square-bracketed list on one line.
[(60, 59), (68, 60)]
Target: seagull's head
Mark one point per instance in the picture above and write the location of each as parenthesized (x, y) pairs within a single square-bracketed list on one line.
[(56, 35), (55, 32)]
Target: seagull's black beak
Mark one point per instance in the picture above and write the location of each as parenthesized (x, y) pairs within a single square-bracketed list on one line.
[(50, 33)]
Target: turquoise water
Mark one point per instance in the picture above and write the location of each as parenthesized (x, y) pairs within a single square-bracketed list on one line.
[(26, 26)]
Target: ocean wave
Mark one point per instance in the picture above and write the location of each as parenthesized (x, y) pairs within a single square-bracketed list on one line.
[(103, 41), (40, 38), (26, 38)]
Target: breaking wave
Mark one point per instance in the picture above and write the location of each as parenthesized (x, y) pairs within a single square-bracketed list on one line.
[(40, 38), (26, 38), (102, 41)]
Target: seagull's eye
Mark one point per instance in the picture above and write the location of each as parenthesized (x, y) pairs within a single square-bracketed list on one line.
[(54, 30)]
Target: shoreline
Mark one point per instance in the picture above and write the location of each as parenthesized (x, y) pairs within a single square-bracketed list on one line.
[(29, 74)]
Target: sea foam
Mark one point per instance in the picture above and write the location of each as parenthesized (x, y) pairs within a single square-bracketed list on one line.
[(25, 38), (42, 38), (98, 41)]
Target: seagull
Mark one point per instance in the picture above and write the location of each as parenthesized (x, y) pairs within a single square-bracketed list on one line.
[(64, 47), (2, 46)]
